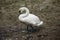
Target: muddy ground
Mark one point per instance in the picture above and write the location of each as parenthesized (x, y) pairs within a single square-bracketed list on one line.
[(46, 10)]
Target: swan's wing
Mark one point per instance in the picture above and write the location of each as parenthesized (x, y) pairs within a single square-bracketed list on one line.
[(35, 18), (29, 20), (32, 19)]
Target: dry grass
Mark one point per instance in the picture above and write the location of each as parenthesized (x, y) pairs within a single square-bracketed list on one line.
[(47, 10)]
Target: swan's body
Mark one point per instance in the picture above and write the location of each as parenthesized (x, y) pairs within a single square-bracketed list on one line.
[(29, 19)]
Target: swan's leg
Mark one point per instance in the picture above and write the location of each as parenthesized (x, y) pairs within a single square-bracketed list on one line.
[(31, 27), (27, 27)]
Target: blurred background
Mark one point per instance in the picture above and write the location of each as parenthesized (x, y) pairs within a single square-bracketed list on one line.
[(46, 10)]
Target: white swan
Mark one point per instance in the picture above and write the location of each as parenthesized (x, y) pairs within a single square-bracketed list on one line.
[(28, 18)]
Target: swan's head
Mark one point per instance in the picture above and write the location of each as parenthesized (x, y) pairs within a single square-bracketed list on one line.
[(23, 10)]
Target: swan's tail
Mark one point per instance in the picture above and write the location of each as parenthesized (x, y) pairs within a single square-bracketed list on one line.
[(40, 23)]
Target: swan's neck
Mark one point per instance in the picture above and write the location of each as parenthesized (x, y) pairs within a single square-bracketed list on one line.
[(26, 14), (27, 11)]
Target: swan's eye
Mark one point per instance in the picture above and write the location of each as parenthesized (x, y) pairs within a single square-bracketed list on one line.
[(20, 12)]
